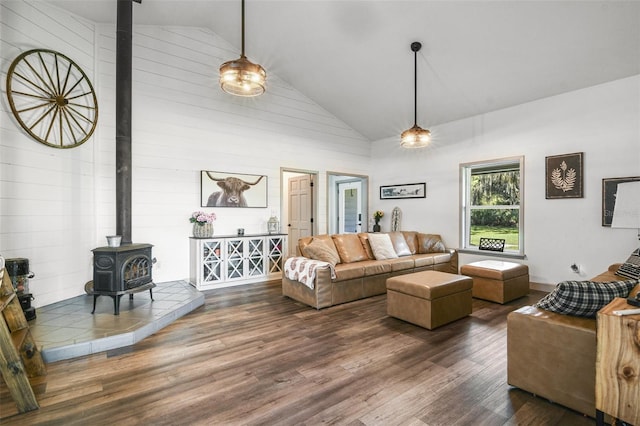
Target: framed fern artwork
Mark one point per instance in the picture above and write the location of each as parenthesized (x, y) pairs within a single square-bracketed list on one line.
[(563, 174)]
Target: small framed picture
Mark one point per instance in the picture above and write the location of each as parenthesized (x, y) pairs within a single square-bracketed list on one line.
[(220, 189), (609, 190), (407, 190), (564, 176)]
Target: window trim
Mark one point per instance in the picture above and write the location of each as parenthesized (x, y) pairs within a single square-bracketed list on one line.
[(465, 211)]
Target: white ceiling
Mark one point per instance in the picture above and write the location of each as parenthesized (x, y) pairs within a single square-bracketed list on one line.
[(354, 59)]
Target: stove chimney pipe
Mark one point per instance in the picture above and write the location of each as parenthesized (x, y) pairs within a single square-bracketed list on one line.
[(123, 119)]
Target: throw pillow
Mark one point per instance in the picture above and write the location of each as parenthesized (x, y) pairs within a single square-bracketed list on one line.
[(584, 298), (430, 243), (400, 245), (364, 240), (349, 248), (631, 268), (382, 247), (412, 240), (319, 250)]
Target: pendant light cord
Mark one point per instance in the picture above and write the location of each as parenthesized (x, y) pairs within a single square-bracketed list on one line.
[(242, 28), (415, 137), (415, 88), (415, 47)]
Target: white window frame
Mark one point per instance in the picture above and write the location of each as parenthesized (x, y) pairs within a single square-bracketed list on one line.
[(466, 170)]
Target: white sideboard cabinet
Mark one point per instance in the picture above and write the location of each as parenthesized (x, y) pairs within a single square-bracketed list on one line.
[(233, 260)]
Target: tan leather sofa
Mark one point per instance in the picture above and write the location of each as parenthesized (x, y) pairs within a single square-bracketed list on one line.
[(553, 355), (360, 275)]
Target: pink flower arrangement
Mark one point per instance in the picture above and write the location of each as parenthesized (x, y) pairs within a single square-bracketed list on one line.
[(201, 217)]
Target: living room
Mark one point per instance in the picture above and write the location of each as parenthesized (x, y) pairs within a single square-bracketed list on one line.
[(58, 205), (62, 208)]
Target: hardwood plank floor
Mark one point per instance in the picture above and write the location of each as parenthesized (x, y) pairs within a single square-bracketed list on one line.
[(251, 356)]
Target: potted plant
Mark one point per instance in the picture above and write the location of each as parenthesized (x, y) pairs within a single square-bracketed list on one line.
[(202, 224), (377, 215)]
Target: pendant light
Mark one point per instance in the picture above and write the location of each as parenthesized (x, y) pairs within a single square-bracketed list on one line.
[(415, 137), (241, 77)]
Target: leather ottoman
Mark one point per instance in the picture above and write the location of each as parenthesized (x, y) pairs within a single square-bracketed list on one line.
[(498, 281), (429, 298)]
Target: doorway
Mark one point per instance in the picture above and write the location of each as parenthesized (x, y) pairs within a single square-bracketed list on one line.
[(347, 201), (349, 207), (299, 195)]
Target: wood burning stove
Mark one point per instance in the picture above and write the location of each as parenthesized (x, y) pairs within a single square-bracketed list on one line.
[(125, 269), (122, 270)]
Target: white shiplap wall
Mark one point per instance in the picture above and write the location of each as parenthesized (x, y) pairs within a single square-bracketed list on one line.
[(47, 211), (182, 123)]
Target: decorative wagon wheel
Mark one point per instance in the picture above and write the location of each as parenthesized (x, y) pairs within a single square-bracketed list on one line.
[(52, 98)]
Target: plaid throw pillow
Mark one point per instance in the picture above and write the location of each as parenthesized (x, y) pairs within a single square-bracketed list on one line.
[(584, 298)]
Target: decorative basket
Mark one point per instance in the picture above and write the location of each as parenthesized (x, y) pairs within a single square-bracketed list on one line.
[(204, 230)]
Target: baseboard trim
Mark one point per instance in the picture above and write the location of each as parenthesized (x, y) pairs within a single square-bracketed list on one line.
[(542, 287)]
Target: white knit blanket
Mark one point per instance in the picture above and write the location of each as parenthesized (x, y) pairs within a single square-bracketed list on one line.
[(303, 270)]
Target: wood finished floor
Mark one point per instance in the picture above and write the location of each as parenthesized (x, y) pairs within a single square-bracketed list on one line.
[(251, 356)]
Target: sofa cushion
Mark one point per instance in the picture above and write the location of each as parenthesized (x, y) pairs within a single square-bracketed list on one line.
[(349, 271), (430, 243), (399, 244), (412, 240), (364, 240), (325, 238), (382, 247), (422, 260), (401, 263), (320, 250), (441, 257), (374, 267), (349, 248), (584, 298)]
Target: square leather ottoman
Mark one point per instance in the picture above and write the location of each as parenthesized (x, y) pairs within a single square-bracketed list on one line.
[(429, 298), (498, 281)]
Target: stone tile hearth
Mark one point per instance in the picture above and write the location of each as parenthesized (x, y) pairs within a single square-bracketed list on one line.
[(67, 329)]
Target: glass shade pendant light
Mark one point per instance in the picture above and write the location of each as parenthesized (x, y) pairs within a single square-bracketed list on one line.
[(241, 77), (415, 137)]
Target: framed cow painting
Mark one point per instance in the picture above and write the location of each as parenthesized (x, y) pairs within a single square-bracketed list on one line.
[(220, 189)]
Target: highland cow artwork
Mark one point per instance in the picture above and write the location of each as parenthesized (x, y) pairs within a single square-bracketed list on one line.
[(220, 189)]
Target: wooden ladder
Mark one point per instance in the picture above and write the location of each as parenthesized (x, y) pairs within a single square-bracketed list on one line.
[(19, 355)]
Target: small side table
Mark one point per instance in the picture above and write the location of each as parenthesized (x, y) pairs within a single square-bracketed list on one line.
[(618, 364)]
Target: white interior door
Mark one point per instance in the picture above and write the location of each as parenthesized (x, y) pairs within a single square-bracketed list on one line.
[(300, 210), (349, 207)]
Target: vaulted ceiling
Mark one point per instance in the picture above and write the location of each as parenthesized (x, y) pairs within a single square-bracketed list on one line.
[(354, 59)]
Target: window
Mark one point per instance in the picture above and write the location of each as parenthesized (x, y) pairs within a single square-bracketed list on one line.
[(492, 193)]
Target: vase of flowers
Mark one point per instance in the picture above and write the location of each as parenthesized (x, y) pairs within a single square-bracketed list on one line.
[(202, 224), (377, 215)]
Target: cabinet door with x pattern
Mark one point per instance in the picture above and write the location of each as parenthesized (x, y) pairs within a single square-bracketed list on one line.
[(245, 258)]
